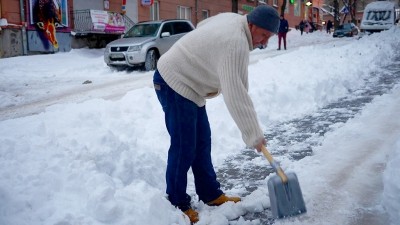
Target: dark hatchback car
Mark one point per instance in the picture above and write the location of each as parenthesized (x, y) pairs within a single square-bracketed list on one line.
[(346, 30)]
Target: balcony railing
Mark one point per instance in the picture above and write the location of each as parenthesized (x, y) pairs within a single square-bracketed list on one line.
[(83, 24)]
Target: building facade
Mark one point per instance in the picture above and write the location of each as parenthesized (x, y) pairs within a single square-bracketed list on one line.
[(48, 26), (198, 10)]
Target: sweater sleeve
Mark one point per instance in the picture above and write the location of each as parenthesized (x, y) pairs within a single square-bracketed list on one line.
[(234, 85)]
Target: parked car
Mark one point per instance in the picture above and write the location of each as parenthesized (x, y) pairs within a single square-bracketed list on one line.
[(379, 16), (346, 30), (145, 42)]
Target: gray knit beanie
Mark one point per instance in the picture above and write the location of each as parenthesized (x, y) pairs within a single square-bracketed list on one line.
[(266, 17)]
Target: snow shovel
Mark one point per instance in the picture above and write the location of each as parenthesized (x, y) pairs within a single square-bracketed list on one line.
[(284, 191)]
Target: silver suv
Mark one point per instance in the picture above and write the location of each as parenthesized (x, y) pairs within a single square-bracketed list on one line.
[(145, 42)]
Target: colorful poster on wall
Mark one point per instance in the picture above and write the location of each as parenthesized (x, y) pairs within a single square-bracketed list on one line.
[(46, 16), (49, 7), (109, 22)]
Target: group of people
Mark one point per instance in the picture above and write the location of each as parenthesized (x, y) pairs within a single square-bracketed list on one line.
[(305, 26)]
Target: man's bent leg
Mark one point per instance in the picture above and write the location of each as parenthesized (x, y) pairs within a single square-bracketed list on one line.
[(180, 119)]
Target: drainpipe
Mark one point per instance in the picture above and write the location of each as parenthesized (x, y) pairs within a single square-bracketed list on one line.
[(235, 6), (24, 39), (196, 9)]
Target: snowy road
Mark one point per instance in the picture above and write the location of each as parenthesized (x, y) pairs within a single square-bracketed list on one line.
[(107, 90)]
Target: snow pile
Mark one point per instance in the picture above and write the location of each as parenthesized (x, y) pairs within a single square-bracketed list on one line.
[(103, 161), (391, 177)]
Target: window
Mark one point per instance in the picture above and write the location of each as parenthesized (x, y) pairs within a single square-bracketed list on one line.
[(297, 5), (287, 6), (184, 13), (176, 28), (167, 28), (155, 11), (275, 3), (181, 27), (204, 14), (143, 30)]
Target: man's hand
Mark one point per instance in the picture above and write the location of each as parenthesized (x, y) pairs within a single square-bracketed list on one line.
[(259, 145)]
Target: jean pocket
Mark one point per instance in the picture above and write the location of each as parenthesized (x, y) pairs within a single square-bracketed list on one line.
[(162, 92)]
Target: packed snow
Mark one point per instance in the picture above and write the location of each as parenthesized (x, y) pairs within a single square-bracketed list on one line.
[(83, 144)]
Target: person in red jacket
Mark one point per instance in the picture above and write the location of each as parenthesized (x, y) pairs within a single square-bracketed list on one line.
[(283, 29)]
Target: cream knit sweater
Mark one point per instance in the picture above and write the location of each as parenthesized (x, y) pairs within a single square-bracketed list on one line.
[(214, 59)]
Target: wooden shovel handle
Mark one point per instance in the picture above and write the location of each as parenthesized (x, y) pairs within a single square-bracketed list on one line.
[(271, 161)]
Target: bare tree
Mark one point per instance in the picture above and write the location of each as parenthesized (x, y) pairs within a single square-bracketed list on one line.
[(353, 11), (351, 5), (350, 9), (336, 13)]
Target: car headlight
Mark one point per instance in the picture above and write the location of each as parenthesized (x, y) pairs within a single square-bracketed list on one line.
[(134, 48)]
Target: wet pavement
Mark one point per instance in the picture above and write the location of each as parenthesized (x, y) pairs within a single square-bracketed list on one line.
[(295, 139)]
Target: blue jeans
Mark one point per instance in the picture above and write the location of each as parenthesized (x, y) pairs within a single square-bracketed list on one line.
[(190, 132)]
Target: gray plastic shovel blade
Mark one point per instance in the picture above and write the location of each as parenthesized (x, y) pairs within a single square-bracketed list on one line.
[(286, 198)]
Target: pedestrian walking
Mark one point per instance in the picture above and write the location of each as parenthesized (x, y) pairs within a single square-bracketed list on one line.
[(301, 27), (283, 29), (307, 26), (209, 60), (329, 26)]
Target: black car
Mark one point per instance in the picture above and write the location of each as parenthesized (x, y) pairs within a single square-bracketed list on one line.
[(346, 30)]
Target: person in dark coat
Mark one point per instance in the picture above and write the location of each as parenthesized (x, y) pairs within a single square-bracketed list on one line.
[(283, 29), (329, 26), (301, 26)]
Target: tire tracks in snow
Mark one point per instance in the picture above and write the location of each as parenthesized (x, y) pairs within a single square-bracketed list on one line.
[(109, 91)]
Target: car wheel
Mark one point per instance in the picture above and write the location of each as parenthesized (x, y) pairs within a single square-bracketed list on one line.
[(151, 60)]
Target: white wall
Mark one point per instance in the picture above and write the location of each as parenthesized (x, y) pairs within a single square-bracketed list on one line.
[(132, 10)]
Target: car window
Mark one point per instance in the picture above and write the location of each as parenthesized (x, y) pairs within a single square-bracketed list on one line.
[(143, 30), (167, 28), (182, 27)]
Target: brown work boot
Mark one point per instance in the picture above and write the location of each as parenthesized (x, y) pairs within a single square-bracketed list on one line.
[(193, 215), (222, 199)]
